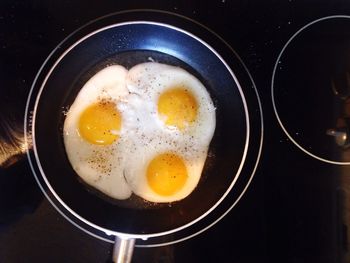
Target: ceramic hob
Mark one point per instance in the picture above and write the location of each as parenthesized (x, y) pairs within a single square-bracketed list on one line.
[(296, 207)]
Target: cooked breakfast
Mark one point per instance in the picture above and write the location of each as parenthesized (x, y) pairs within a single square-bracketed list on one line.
[(145, 131)]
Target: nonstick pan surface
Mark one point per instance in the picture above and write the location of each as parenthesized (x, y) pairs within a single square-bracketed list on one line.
[(233, 152)]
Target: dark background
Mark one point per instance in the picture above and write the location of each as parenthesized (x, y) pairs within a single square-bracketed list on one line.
[(295, 209)]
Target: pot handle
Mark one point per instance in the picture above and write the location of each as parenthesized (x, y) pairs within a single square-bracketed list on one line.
[(123, 250)]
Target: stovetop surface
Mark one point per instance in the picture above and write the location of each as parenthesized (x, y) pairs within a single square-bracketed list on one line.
[(295, 209)]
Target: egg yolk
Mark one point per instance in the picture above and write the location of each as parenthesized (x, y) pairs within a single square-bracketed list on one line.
[(178, 106), (166, 174), (100, 123)]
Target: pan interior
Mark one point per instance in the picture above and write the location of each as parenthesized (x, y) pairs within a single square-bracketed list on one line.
[(129, 45)]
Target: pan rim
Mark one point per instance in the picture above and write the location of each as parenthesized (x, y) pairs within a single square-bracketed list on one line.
[(37, 159)]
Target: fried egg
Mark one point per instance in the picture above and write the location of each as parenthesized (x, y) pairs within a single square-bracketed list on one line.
[(94, 133), (178, 129), (179, 102), (165, 172), (144, 131)]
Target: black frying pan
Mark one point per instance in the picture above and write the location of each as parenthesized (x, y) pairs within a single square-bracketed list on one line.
[(233, 151)]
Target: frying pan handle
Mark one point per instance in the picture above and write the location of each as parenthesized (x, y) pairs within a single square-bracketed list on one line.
[(123, 249)]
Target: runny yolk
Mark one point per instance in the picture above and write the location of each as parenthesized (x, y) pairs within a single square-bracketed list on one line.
[(100, 123), (166, 174), (178, 107)]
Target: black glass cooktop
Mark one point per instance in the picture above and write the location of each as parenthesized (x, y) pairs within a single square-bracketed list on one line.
[(297, 207)]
